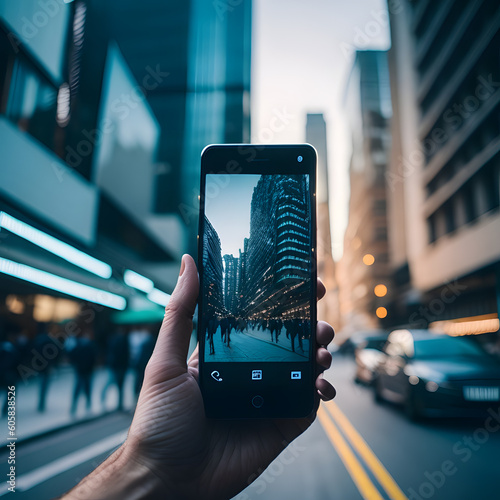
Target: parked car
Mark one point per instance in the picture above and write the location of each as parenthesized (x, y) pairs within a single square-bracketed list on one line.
[(437, 375), (368, 355), (350, 344)]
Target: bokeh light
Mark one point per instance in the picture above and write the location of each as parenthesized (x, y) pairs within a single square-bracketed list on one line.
[(368, 259)]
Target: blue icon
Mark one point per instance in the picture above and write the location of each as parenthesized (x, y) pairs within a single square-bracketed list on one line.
[(256, 374), (216, 376), (296, 375)]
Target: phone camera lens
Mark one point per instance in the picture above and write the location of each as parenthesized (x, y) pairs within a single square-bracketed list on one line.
[(299, 159)]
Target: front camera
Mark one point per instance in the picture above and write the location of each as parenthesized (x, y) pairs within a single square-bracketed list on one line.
[(299, 159)]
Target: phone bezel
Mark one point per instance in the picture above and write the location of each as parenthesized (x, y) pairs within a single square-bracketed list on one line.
[(237, 159)]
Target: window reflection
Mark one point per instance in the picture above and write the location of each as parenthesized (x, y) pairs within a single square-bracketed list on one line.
[(32, 103)]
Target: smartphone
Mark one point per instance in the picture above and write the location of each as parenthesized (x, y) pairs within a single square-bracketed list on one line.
[(257, 269)]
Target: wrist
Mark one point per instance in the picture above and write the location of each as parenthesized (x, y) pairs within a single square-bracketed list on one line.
[(119, 476), (166, 480)]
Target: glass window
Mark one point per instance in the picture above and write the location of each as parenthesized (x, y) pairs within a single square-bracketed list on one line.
[(32, 103), (42, 27), (446, 347)]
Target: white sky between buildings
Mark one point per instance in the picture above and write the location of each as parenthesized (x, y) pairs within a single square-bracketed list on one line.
[(302, 54)]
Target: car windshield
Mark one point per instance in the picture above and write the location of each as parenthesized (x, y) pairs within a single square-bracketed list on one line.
[(446, 347)]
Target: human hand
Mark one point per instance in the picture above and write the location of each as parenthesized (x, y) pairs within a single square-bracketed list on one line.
[(177, 451)]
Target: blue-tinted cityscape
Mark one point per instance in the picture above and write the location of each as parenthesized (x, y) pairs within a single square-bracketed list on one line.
[(105, 108), (257, 304)]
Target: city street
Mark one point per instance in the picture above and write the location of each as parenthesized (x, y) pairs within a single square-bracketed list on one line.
[(355, 449), (48, 466), (237, 150)]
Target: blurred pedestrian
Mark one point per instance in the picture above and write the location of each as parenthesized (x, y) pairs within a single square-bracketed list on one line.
[(212, 326), (10, 357), (82, 356), (145, 351), (117, 360), (291, 326), (138, 334), (45, 354), (224, 329)]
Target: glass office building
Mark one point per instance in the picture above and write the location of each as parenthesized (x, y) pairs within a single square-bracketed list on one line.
[(278, 253), (103, 115), (213, 271)]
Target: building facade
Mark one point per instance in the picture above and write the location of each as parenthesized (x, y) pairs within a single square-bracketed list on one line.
[(231, 284), (363, 272), (328, 308), (444, 178), (278, 252), (102, 114), (214, 271)]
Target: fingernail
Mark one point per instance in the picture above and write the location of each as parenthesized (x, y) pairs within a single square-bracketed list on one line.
[(183, 266)]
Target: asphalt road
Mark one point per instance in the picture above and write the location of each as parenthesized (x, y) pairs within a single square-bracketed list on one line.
[(356, 449), (51, 465)]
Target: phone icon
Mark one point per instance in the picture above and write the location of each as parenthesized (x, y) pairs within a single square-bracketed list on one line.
[(216, 376)]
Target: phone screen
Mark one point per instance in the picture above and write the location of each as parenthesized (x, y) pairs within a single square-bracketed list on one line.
[(257, 289)]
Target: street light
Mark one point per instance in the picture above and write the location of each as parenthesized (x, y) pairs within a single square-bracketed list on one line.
[(380, 290), (381, 312)]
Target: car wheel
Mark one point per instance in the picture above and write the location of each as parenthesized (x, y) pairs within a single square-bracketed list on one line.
[(412, 406)]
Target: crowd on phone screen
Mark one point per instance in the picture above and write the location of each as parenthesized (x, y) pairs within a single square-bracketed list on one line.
[(24, 360), (294, 329)]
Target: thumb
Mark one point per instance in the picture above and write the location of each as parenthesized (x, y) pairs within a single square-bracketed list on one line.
[(170, 353)]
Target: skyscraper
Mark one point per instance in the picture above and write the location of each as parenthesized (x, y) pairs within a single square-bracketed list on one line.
[(364, 264), (105, 111), (279, 248), (213, 270), (231, 282), (316, 135), (192, 63)]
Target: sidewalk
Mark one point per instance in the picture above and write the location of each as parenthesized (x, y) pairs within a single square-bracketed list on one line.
[(255, 345), (29, 422)]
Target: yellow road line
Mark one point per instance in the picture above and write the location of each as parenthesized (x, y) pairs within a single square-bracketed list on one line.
[(371, 460), (364, 484)]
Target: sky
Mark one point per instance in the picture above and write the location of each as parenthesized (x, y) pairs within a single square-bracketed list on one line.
[(302, 56), (227, 206)]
